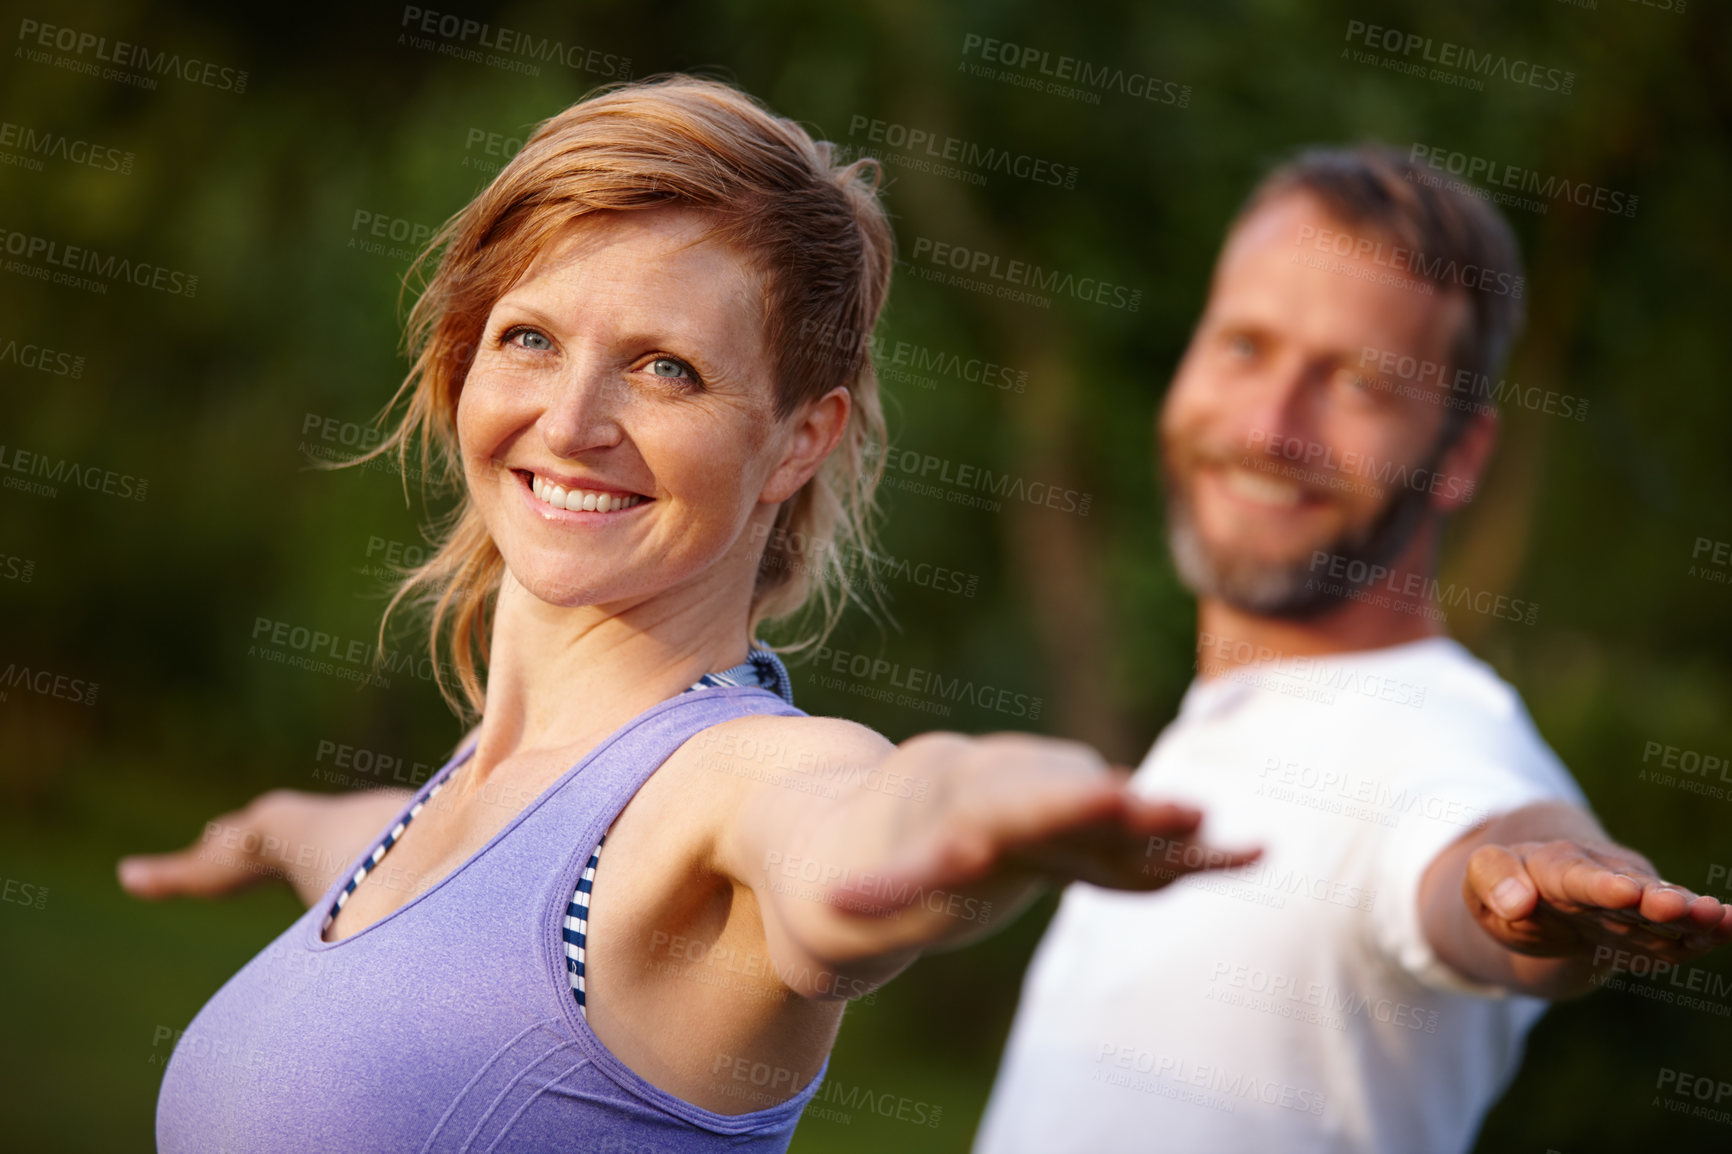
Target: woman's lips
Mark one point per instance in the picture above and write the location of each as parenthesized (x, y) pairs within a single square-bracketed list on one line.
[(579, 500)]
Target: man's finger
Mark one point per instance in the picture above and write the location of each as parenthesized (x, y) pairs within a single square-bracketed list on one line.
[(1497, 878), (1676, 914), (1568, 876), (1616, 922), (1663, 902)]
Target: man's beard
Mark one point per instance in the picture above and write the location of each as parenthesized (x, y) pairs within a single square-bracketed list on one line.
[(1292, 588)]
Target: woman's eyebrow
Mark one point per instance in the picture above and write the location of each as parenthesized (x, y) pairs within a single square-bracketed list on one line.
[(515, 310)]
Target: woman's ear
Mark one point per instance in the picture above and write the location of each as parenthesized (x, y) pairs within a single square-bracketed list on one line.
[(815, 432)]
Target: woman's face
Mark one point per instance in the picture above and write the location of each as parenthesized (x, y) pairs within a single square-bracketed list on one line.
[(617, 427)]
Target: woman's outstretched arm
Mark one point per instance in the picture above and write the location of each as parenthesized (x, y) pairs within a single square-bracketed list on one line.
[(861, 854), (304, 838)]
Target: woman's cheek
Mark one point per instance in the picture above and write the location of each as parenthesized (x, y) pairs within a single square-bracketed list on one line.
[(471, 421)]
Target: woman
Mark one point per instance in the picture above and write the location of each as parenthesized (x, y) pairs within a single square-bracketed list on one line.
[(617, 353)]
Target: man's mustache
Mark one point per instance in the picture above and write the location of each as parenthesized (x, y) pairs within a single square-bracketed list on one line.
[(1181, 459)]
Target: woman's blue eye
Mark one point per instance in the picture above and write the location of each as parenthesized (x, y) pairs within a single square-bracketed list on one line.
[(528, 339), (670, 368)]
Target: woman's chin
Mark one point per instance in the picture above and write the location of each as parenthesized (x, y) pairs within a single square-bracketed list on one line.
[(565, 590), (562, 592)]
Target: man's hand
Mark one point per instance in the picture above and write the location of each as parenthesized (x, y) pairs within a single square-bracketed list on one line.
[(1559, 899), (1535, 898)]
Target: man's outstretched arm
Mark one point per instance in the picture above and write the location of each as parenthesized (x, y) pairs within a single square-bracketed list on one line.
[(1526, 900)]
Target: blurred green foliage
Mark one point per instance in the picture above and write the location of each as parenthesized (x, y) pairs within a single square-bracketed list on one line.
[(209, 398)]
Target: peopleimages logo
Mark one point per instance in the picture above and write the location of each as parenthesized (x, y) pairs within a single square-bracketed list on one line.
[(1071, 77), (1480, 170), (122, 54), (64, 471), (1455, 63), (1434, 270), (34, 145), (1320, 465), (47, 683), (1011, 276), (1440, 383), (906, 361), (959, 483), (926, 684), (507, 48), (1219, 1088), (929, 146), (802, 553), (1287, 996), (42, 359), (78, 259), (350, 659), (1417, 594)]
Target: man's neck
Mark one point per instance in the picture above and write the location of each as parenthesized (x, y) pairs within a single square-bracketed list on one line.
[(1392, 610)]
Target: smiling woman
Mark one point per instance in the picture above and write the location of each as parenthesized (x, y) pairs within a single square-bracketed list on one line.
[(623, 452), (626, 358), (792, 257)]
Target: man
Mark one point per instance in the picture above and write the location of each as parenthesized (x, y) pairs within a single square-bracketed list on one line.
[(1431, 872)]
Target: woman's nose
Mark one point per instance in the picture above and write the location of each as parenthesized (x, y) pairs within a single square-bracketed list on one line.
[(583, 412)]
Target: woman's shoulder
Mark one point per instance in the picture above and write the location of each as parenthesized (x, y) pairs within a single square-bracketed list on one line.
[(788, 740)]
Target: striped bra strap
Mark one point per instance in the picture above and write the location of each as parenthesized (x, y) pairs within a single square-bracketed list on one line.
[(761, 668)]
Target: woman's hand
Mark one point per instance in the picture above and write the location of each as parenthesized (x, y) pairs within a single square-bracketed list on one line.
[(305, 838), (931, 843), (1032, 808)]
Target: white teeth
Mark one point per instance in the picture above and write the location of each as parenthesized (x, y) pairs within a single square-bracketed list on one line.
[(582, 500), (1264, 490)]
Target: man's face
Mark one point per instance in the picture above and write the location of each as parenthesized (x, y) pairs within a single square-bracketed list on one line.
[(1277, 446)]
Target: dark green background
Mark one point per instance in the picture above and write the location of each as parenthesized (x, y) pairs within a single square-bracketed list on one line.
[(256, 193)]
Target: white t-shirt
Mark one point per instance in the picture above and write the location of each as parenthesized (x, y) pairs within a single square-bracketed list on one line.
[(1294, 1004)]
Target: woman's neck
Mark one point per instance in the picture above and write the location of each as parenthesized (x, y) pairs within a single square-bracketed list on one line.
[(554, 674)]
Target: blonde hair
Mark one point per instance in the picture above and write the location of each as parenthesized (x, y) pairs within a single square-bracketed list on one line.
[(813, 228)]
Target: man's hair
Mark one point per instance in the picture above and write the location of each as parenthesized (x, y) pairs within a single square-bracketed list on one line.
[(1458, 240)]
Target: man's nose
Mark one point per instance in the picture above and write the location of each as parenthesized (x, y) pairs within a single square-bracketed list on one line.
[(1280, 406)]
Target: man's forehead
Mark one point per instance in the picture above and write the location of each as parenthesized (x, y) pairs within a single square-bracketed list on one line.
[(1273, 272)]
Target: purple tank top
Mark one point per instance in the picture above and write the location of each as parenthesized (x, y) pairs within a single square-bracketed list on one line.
[(449, 1024)]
